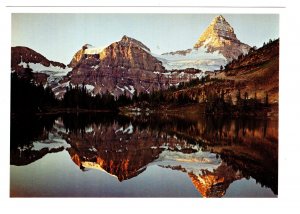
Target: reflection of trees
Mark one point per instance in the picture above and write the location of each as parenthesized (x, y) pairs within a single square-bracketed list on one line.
[(249, 145), (28, 156), (223, 130), (25, 129), (246, 145), (264, 171)]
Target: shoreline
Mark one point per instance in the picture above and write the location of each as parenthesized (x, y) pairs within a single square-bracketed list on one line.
[(189, 111)]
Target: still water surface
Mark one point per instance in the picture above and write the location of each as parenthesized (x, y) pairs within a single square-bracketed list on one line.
[(106, 155)]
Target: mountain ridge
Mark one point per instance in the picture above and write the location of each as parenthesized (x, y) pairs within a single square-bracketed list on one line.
[(255, 75), (127, 66), (24, 54)]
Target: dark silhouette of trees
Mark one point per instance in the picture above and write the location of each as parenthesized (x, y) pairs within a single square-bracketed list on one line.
[(266, 100), (124, 100), (219, 103), (79, 98), (238, 95), (27, 97)]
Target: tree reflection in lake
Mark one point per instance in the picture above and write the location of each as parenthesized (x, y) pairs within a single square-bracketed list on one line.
[(213, 153)]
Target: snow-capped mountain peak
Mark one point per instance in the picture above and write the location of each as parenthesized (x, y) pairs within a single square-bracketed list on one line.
[(216, 46), (218, 31), (220, 36)]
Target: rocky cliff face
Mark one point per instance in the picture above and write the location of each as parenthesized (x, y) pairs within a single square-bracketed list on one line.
[(220, 36), (77, 57), (127, 53), (123, 67)]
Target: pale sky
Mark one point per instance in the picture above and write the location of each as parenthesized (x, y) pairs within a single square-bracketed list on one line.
[(59, 36)]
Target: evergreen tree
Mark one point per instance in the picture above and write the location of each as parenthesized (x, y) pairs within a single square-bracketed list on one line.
[(238, 95), (26, 97), (267, 100)]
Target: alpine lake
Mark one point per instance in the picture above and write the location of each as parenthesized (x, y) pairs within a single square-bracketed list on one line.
[(143, 155)]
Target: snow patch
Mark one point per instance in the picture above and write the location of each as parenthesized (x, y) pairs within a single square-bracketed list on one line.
[(119, 130), (94, 50), (93, 149), (198, 58), (129, 129), (207, 41), (122, 89), (89, 87), (194, 162), (50, 144), (131, 90), (38, 67), (89, 129), (95, 67)]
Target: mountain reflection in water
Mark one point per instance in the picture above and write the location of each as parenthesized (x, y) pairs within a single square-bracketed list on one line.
[(212, 152)]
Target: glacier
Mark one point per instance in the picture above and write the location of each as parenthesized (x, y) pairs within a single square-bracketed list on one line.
[(198, 58)]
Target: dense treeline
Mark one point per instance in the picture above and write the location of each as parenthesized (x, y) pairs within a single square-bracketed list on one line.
[(27, 97), (79, 98), (252, 55), (218, 103), (168, 96), (162, 97)]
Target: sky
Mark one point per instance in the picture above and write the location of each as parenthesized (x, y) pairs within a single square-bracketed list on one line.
[(58, 36)]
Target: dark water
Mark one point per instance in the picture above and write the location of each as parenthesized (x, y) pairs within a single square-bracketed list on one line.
[(107, 155)]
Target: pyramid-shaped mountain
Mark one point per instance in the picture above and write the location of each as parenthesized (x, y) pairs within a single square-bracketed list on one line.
[(216, 46), (220, 36)]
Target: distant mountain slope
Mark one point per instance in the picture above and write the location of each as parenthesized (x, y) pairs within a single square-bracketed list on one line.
[(255, 74), (256, 57), (23, 56), (258, 71), (24, 59)]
